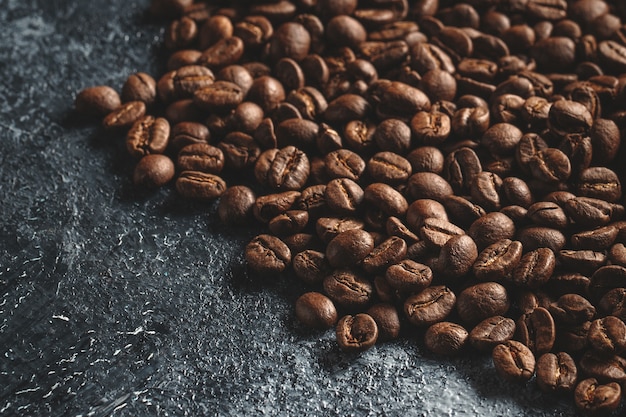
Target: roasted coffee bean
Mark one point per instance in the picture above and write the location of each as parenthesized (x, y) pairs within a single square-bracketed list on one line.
[(613, 55), (603, 368), (616, 255), (550, 165), (389, 252), (200, 157), (541, 237), (430, 306), (513, 361), (344, 163), (200, 185), (462, 211), (456, 257), (597, 239), (491, 332), (572, 338), (607, 278), (445, 338), (607, 335), (470, 121), (428, 185), (343, 196), (535, 268), (140, 87), (588, 212), (183, 82), (348, 289), (578, 149), (426, 159), (536, 330), (393, 135), (309, 102), (481, 301), (240, 150), (297, 132), (491, 228), (430, 128), (556, 372), (148, 135), (181, 33), (218, 97), (572, 309), (614, 303), (547, 214), (315, 310), (599, 182), (436, 232), (409, 276), (254, 31), (311, 266), (461, 166), (125, 116), (284, 169), (485, 190), (289, 222), (399, 100), (386, 199), (356, 333), (515, 191), (422, 209), (235, 206), (528, 147), (569, 117), (224, 52), (97, 101), (266, 254), (585, 261), (328, 228), (188, 133), (596, 399), (387, 319), (498, 260), (389, 168), (153, 171), (349, 247), (605, 139), (266, 207)]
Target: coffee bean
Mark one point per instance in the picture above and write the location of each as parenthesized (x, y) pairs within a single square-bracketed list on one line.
[(315, 310), (606, 278), (445, 338), (125, 116), (460, 169), (572, 309), (431, 128), (535, 268), (541, 237), (491, 332), (148, 135), (607, 335), (547, 214), (387, 319), (409, 276), (498, 260), (603, 368), (599, 182), (513, 361), (613, 302), (200, 157), (389, 168), (426, 159), (97, 101), (356, 333), (344, 163), (556, 372), (462, 211), (430, 306), (436, 232), (266, 254), (597, 239), (605, 140), (218, 97), (284, 169), (594, 398), (266, 207), (222, 53), (289, 222), (456, 257), (585, 261), (491, 228), (140, 87), (536, 330), (588, 212), (349, 247), (153, 171), (428, 185), (550, 165), (235, 206), (389, 252), (184, 82), (328, 228), (311, 266), (386, 199), (188, 133), (481, 301), (613, 55), (348, 289)]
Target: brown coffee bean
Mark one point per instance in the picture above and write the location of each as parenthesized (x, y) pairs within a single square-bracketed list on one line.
[(268, 206), (148, 135), (222, 53), (572, 309), (356, 333), (214, 29), (311, 266), (266, 254), (588, 212), (491, 332), (536, 330), (461, 166), (456, 257), (345, 108), (445, 338), (328, 228), (607, 278), (386, 199), (389, 168), (235, 206), (616, 255), (140, 87), (200, 157), (426, 159), (599, 182), (315, 310), (289, 222), (556, 372), (498, 260), (200, 185), (254, 31), (605, 139), (541, 237), (387, 319), (613, 302), (389, 252), (585, 261), (596, 239), (125, 116), (528, 147), (181, 33), (428, 185), (481, 301), (409, 276), (290, 40), (348, 289), (513, 361), (344, 163), (436, 232), (485, 190), (550, 165), (462, 211), (218, 97), (188, 133), (547, 214), (430, 306), (607, 335), (343, 196), (284, 169), (593, 398), (184, 82), (603, 368), (349, 247), (153, 171), (613, 55), (97, 101), (491, 228), (535, 268), (430, 128), (399, 100)]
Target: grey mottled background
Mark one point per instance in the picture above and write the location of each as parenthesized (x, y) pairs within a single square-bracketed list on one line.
[(115, 303)]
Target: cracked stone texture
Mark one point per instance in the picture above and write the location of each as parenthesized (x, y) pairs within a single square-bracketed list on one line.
[(117, 303)]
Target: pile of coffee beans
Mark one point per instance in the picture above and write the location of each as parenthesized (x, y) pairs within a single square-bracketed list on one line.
[(451, 167)]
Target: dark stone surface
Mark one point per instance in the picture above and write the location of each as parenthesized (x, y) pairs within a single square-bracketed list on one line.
[(116, 303)]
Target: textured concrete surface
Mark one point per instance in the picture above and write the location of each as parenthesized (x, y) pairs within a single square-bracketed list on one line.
[(116, 303)]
